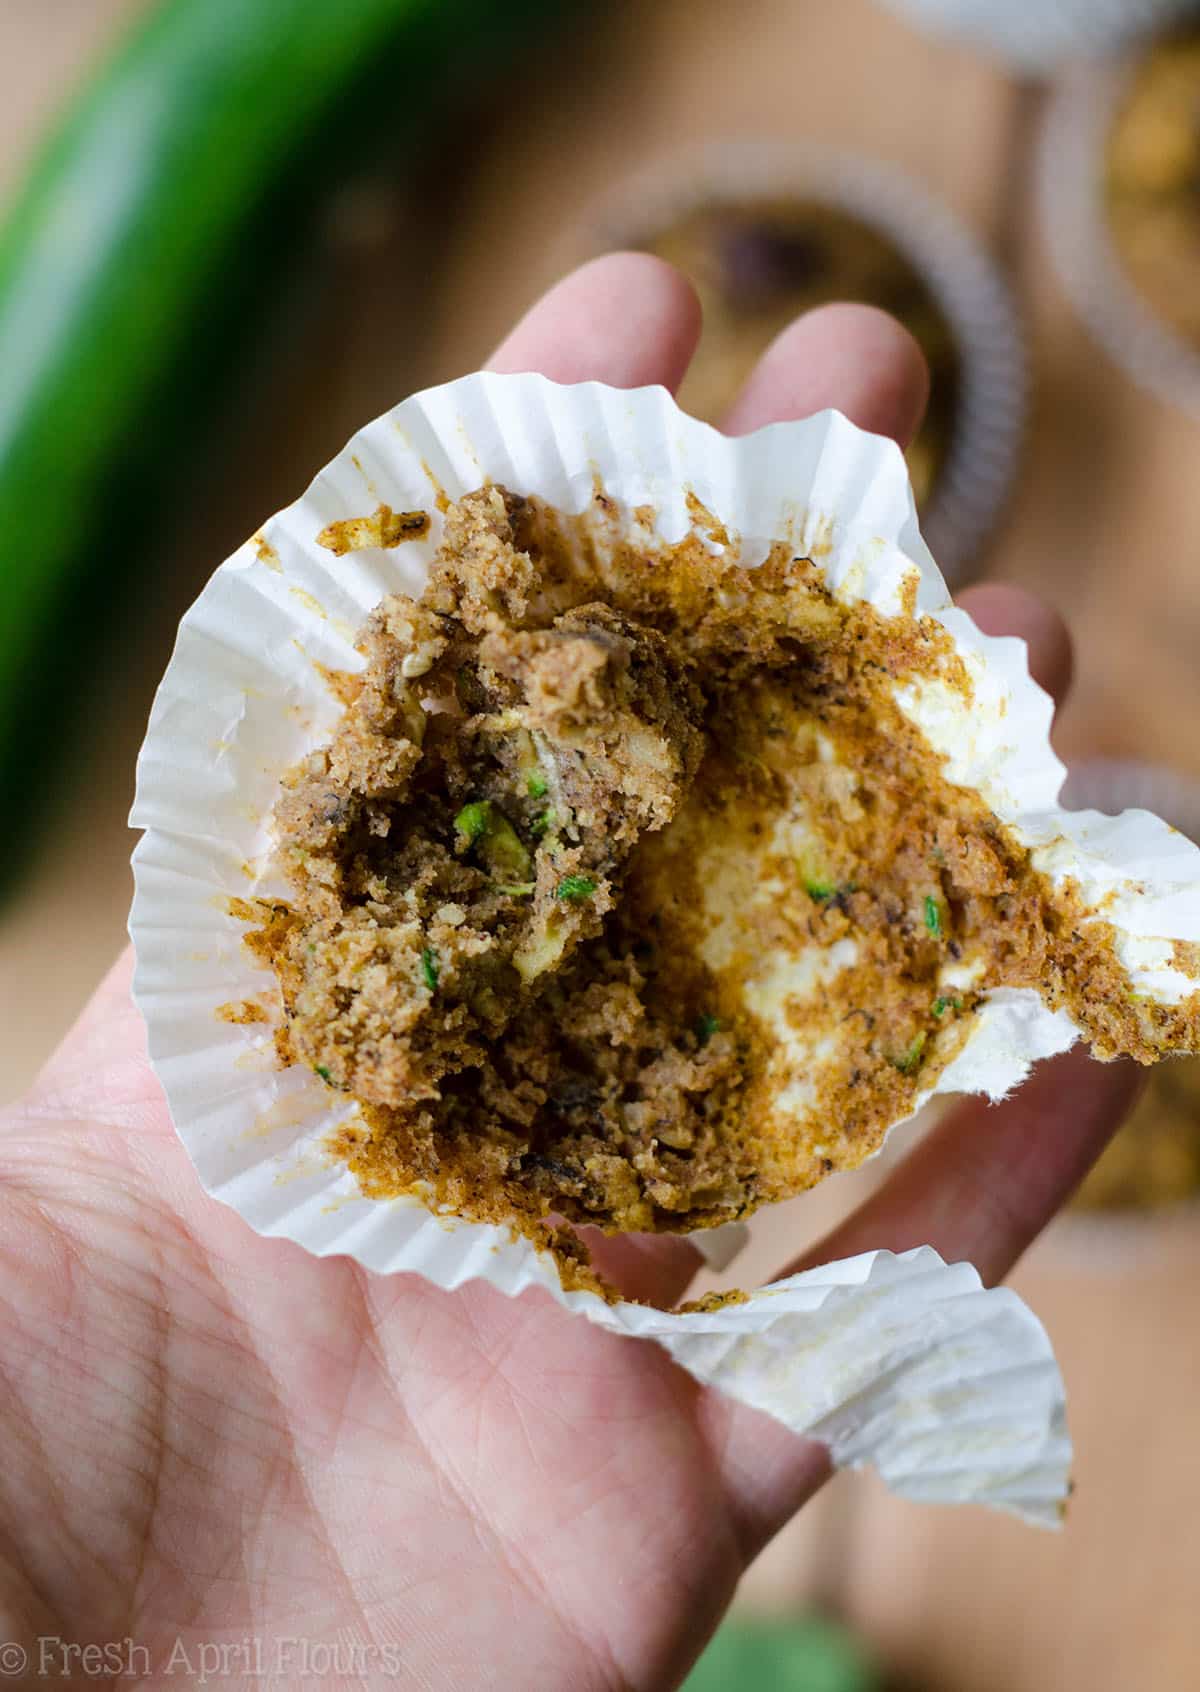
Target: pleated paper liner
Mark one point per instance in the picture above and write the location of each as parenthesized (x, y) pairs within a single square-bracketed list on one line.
[(904, 1362), (982, 449)]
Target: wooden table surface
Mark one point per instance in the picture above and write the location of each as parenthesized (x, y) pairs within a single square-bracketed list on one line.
[(1104, 522)]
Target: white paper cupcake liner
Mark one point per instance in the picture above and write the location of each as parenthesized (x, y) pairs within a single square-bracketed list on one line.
[(984, 451), (904, 1362), (1038, 35), (1071, 156)]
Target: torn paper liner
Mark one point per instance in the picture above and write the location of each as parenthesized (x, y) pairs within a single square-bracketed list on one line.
[(951, 1391)]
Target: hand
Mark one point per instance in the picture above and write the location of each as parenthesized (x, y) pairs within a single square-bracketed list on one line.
[(211, 1437)]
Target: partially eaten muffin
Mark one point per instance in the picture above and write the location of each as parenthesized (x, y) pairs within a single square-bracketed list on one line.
[(626, 892)]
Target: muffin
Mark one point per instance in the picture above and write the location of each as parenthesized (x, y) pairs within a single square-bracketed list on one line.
[(1119, 204), (1152, 181), (625, 891), (556, 783), (635, 833)]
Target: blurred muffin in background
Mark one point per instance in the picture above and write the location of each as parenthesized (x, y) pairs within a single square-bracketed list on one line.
[(1119, 186), (767, 231), (1152, 181), (757, 264)]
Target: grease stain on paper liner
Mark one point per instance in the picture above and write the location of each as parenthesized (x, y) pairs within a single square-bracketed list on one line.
[(265, 552)]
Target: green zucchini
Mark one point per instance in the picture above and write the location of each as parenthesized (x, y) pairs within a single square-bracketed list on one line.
[(168, 190), (793, 1654)]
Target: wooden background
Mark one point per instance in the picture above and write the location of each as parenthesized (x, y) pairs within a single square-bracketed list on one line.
[(412, 286)]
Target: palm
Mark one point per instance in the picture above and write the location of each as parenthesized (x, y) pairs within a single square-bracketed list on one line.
[(266, 1440), (214, 1438)]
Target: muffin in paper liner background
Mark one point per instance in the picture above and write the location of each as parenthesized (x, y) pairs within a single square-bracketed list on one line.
[(1139, 305), (903, 1362), (767, 229)]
